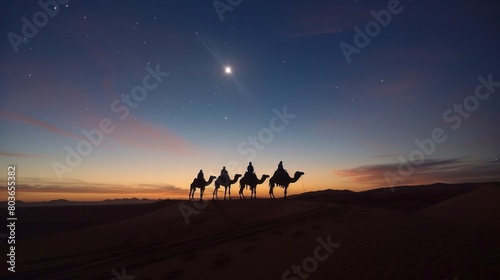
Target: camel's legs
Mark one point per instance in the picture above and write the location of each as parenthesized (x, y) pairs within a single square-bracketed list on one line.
[(214, 194), (225, 190), (286, 187), (202, 190), (241, 192), (271, 192)]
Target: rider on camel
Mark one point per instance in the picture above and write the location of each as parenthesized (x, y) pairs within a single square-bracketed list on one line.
[(224, 174), (280, 166), (281, 172), (201, 176), (250, 168), (250, 172)]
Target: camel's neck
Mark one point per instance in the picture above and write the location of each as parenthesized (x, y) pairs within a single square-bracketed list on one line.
[(234, 180), (261, 181), (295, 178), (210, 181)]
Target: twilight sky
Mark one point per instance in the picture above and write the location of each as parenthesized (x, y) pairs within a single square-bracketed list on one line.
[(415, 101)]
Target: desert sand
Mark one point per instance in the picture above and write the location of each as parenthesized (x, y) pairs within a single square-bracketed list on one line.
[(428, 232)]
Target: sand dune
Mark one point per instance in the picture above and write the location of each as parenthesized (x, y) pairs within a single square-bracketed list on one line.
[(479, 209), (166, 223), (263, 239)]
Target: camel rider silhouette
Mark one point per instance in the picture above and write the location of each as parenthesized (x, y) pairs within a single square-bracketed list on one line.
[(250, 168), (250, 171), (224, 174), (201, 177), (280, 166), (281, 172)]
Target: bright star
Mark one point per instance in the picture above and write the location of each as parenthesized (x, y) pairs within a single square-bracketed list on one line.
[(228, 70)]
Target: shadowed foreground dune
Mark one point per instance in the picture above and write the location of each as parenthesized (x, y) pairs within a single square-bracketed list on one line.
[(262, 239), (479, 209)]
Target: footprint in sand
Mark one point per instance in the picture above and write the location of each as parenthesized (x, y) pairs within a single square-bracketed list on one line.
[(276, 232), (317, 226), (298, 234), (191, 257), (173, 274), (255, 239), (249, 249), (221, 261)]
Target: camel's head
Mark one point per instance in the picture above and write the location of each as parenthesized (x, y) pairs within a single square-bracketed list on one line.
[(237, 175), (212, 178), (299, 173), (265, 176)]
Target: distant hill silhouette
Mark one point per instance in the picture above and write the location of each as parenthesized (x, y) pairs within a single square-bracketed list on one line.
[(403, 198)]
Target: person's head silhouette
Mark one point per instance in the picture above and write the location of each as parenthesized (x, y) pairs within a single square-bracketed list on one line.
[(250, 168)]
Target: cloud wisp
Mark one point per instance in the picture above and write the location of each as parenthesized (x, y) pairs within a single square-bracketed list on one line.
[(431, 171)]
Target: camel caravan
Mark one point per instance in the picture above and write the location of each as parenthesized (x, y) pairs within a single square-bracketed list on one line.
[(249, 180)]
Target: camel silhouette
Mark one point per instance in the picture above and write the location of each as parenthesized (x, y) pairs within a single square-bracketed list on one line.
[(252, 181), (201, 184), (282, 180), (221, 181)]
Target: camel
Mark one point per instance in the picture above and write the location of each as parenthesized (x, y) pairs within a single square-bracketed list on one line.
[(252, 181), (282, 181), (219, 182), (201, 185)]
